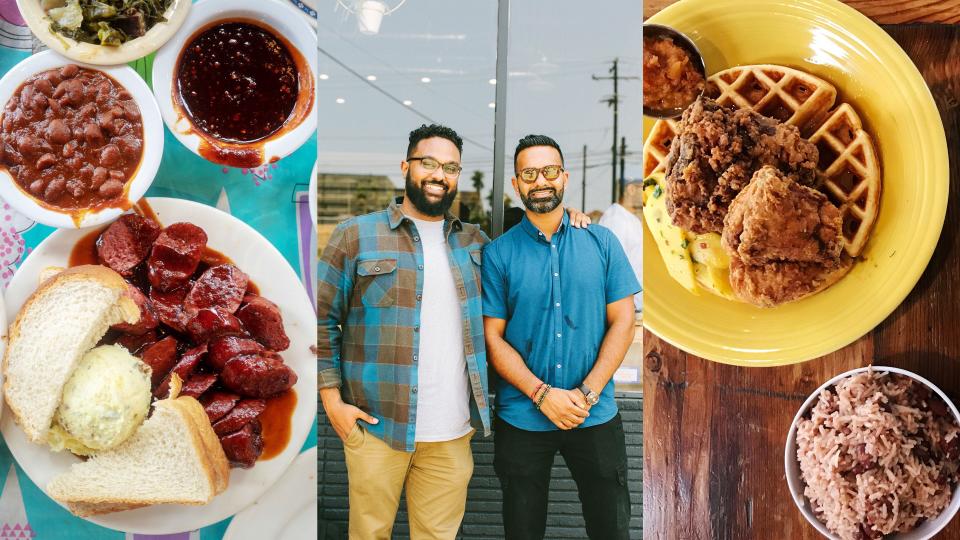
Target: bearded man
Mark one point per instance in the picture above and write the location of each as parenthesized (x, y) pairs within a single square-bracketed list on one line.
[(558, 319), (401, 356)]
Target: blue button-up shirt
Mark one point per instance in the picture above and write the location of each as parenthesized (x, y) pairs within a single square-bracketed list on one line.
[(554, 295)]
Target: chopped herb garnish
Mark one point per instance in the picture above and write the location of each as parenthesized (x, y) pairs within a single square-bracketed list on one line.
[(684, 244), (657, 192), (649, 182)]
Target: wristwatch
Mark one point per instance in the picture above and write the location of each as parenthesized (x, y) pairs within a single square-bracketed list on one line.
[(591, 396)]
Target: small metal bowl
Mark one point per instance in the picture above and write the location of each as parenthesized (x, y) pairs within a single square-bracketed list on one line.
[(656, 31)]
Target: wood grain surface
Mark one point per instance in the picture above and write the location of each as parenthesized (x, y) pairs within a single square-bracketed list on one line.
[(881, 11), (714, 434)]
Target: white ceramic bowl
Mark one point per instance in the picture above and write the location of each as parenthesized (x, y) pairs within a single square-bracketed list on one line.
[(308, 8), (795, 481), (286, 21), (152, 141), (39, 24)]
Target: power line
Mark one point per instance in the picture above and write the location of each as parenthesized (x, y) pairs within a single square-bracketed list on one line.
[(614, 102), (393, 98)]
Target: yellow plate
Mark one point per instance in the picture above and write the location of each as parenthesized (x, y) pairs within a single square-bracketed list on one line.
[(872, 73)]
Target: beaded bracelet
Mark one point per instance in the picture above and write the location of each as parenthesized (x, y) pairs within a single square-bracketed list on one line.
[(543, 396)]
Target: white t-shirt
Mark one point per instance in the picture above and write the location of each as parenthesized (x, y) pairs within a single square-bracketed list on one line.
[(443, 392), (627, 228)]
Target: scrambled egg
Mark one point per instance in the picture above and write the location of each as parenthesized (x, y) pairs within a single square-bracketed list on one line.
[(104, 402), (696, 261)]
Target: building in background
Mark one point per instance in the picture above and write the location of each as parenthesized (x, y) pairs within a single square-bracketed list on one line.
[(340, 195)]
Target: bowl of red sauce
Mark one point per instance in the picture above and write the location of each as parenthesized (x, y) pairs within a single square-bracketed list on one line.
[(79, 144), (235, 85)]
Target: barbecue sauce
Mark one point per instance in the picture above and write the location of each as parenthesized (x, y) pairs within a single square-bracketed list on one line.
[(276, 421), (85, 250), (241, 84)]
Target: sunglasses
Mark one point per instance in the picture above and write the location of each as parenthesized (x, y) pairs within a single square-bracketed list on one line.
[(430, 164), (550, 172)]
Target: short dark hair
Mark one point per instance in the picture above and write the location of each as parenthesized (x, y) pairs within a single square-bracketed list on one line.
[(535, 140), (433, 130)]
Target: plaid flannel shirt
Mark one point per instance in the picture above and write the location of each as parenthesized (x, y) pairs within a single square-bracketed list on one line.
[(370, 281)]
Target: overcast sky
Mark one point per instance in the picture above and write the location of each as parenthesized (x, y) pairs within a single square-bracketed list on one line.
[(555, 47)]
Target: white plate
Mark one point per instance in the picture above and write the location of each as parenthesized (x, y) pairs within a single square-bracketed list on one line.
[(276, 280), (152, 140), (288, 511), (39, 24), (3, 345), (287, 22)]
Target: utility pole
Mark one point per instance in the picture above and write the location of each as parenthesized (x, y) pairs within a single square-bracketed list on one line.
[(583, 202), (614, 101), (623, 153)]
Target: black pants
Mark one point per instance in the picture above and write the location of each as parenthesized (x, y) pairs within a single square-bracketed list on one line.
[(597, 459)]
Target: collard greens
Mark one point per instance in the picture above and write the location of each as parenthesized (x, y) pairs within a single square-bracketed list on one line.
[(106, 22)]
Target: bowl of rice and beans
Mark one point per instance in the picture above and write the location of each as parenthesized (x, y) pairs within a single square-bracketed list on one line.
[(875, 453)]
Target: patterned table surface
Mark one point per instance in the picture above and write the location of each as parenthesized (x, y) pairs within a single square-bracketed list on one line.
[(272, 199)]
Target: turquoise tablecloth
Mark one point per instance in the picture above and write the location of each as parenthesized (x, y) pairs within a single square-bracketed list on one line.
[(272, 199)]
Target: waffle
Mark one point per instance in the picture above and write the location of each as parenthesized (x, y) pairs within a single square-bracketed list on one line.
[(848, 166), (789, 95), (851, 174)]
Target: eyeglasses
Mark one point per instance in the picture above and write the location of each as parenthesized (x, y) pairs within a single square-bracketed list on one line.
[(550, 172), (431, 164)]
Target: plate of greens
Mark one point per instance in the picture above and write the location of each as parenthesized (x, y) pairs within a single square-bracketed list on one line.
[(104, 32)]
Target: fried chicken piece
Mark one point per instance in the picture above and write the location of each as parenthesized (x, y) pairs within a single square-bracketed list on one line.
[(784, 240), (776, 219), (775, 283), (715, 154)]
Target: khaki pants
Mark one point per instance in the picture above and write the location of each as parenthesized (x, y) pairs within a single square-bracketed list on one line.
[(435, 475)]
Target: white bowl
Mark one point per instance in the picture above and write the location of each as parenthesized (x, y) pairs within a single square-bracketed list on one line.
[(308, 8), (156, 36), (152, 141), (286, 21), (795, 481)]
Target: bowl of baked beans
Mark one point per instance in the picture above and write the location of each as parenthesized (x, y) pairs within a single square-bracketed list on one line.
[(79, 144)]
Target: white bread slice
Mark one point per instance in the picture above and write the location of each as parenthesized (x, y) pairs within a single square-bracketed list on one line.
[(92, 509), (167, 461), (63, 319), (48, 273), (211, 444)]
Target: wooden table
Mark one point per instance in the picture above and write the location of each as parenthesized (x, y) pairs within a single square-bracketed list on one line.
[(714, 434)]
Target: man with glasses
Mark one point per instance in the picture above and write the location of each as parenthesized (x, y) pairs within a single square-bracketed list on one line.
[(401, 356), (558, 319)]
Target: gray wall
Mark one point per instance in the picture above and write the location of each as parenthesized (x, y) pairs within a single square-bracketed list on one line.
[(482, 520)]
